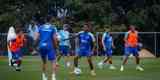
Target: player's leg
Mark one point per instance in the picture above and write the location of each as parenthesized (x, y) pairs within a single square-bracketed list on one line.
[(52, 59), (125, 58), (59, 55), (19, 60), (76, 58), (112, 67), (43, 54), (89, 59), (9, 57), (108, 59), (135, 53), (16, 60), (67, 55), (101, 63), (77, 70)]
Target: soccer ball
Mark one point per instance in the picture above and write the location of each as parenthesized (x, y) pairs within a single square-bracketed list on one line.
[(77, 71)]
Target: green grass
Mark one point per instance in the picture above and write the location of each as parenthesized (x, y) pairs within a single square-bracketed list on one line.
[(32, 70)]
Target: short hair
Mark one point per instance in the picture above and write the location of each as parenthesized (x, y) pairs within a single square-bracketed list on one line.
[(48, 18)]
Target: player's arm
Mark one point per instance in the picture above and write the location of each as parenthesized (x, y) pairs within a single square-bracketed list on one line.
[(125, 39), (72, 37), (36, 39), (138, 37), (113, 46), (93, 41), (103, 39), (55, 40)]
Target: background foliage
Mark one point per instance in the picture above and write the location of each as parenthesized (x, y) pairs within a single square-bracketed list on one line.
[(115, 14)]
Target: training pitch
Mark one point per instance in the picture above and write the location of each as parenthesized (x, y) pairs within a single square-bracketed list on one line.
[(31, 70)]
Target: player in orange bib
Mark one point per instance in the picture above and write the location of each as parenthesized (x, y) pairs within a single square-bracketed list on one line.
[(131, 47), (15, 48)]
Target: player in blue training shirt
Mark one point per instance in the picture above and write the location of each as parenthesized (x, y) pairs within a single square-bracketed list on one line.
[(46, 35), (64, 45), (107, 42), (86, 47)]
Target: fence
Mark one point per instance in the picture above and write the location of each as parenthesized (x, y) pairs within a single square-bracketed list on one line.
[(150, 41)]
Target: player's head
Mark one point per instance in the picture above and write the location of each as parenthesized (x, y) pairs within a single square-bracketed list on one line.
[(132, 28), (11, 33), (48, 19), (86, 28), (11, 30), (19, 31)]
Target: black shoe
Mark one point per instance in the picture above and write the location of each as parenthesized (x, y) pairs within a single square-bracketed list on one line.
[(18, 69)]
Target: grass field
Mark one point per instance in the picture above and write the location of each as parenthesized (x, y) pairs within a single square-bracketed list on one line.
[(32, 70)]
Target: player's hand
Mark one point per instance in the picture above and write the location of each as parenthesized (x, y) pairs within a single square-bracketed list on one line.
[(126, 45), (113, 47)]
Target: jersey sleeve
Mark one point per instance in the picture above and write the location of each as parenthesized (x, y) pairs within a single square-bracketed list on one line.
[(92, 37), (103, 37), (37, 29)]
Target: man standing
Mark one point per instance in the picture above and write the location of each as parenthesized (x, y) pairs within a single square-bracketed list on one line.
[(131, 47), (46, 35), (108, 45), (86, 47), (11, 36), (64, 45)]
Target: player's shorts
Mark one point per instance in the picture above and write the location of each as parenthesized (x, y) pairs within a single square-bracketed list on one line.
[(84, 53), (17, 55), (109, 52), (131, 50), (64, 50), (47, 53)]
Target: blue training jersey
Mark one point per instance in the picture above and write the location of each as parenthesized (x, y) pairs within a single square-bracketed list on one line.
[(62, 36), (47, 32), (107, 40), (86, 40)]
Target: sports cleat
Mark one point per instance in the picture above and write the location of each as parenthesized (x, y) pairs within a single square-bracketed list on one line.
[(68, 64), (77, 71), (53, 77), (18, 69), (122, 68), (44, 77), (100, 65), (112, 67), (93, 73), (139, 68)]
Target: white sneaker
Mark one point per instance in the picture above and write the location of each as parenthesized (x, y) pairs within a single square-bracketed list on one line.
[(44, 77), (77, 71), (100, 65), (10, 63), (93, 73), (68, 64), (139, 68), (112, 67), (122, 68), (53, 77)]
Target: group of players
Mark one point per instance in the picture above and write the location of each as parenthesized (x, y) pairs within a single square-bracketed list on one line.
[(49, 40)]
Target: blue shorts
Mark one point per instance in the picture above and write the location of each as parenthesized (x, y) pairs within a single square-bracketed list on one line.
[(131, 50), (109, 52), (85, 53), (50, 53), (64, 50), (17, 55)]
